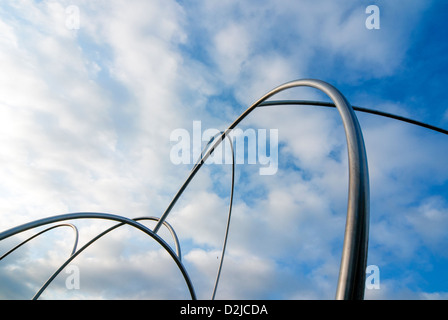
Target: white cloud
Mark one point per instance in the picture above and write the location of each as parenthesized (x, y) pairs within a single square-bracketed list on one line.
[(203, 219), (230, 49), (430, 221), (66, 147)]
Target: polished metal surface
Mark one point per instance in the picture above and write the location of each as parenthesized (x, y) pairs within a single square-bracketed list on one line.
[(229, 215), (88, 244), (106, 216), (42, 232), (361, 109), (351, 281)]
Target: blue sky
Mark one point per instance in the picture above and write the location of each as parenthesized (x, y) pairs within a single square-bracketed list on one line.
[(87, 110)]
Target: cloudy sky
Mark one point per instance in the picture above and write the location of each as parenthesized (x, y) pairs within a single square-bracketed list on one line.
[(91, 92)]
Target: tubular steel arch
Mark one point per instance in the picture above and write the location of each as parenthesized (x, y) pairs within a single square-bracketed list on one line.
[(168, 226), (224, 245), (361, 109), (75, 253), (351, 281), (105, 216), (88, 244), (43, 231), (200, 161)]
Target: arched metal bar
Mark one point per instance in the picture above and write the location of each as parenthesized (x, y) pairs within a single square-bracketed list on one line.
[(170, 229), (351, 282), (200, 160), (88, 244), (105, 216), (43, 231), (232, 188), (361, 109), (343, 291)]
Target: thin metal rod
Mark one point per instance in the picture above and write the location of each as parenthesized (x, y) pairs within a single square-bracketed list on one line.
[(106, 216), (352, 272), (88, 244), (193, 171), (43, 231), (351, 282), (232, 187), (361, 109), (200, 160)]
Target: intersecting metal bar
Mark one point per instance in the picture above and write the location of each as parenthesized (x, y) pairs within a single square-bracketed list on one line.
[(351, 282), (106, 216), (354, 256), (229, 215), (88, 244), (361, 109), (43, 231)]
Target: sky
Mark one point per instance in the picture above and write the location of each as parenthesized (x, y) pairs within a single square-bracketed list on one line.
[(91, 93)]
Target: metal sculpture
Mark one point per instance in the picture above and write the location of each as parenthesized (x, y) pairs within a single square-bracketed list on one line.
[(351, 280), (44, 231), (354, 256), (106, 216), (88, 244)]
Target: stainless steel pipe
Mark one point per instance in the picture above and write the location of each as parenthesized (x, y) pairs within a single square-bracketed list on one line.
[(106, 216), (351, 282)]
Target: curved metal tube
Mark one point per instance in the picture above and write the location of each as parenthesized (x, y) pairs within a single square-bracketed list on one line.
[(354, 256), (106, 216), (346, 288), (351, 283), (43, 231), (88, 244), (200, 160), (361, 109), (232, 187), (169, 227)]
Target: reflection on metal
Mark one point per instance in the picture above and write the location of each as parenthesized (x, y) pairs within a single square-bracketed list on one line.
[(351, 280), (366, 110), (88, 244), (43, 231), (106, 216), (232, 188), (354, 256)]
